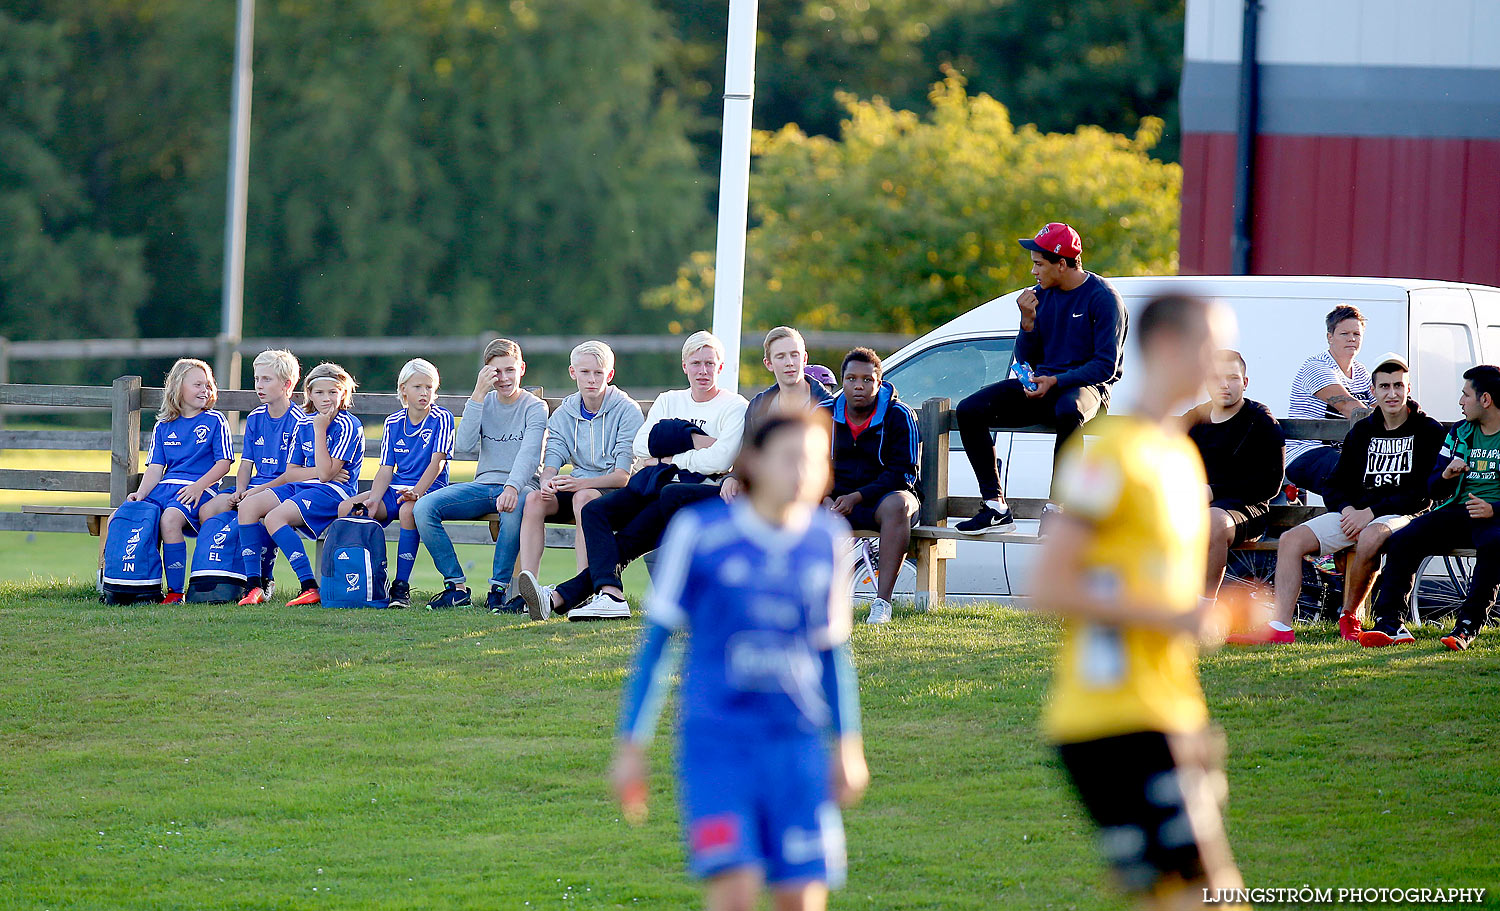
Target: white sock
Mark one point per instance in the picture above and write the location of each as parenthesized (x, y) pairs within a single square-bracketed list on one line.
[(996, 505), (1279, 626)]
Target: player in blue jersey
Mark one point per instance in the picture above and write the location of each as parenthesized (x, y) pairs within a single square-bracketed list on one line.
[(414, 453), (191, 450), (333, 443), (755, 586), (271, 432)]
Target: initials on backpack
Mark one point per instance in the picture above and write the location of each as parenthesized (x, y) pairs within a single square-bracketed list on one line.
[(217, 575)]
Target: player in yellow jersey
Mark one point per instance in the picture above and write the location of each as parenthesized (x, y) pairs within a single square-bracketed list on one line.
[(1123, 564)]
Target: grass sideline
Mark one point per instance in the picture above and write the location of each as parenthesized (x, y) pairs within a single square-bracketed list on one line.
[(220, 757)]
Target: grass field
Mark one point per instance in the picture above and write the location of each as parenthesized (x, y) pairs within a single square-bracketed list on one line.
[(219, 757)]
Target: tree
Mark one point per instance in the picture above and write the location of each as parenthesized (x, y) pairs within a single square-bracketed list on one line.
[(58, 277), (905, 222)]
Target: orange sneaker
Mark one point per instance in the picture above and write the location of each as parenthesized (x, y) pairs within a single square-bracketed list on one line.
[(256, 595), (310, 596), (1273, 633), (1349, 627), (172, 598)]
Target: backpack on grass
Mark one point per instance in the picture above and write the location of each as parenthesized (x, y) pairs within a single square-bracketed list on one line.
[(132, 571), (216, 576), (352, 571)]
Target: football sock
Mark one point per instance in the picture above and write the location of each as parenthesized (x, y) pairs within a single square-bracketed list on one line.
[(290, 542), (254, 542), (406, 553), (174, 556)]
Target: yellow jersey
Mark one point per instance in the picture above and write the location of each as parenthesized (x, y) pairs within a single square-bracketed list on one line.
[(1142, 489)]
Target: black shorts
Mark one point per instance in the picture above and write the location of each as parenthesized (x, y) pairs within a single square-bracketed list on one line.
[(1250, 522), (862, 517), (564, 514), (1158, 800)]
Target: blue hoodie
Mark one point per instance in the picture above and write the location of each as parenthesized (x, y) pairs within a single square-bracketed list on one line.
[(884, 458)]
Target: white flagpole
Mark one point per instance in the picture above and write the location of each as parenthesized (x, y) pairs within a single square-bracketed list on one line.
[(734, 185), (231, 326)]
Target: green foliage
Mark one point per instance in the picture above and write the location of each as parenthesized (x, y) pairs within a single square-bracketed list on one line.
[(58, 276), (905, 222)]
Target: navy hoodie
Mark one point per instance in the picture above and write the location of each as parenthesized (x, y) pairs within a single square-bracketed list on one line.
[(1079, 335), (884, 458)]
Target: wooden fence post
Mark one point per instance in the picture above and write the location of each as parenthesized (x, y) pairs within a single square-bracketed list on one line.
[(932, 568), (124, 436)]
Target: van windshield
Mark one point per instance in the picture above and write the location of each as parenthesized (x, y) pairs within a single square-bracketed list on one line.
[(952, 369)]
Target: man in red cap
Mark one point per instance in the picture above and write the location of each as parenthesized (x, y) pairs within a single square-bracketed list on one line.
[(1072, 337)]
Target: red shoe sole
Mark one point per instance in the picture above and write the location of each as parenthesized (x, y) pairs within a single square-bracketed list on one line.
[(1374, 638), (1453, 644), (172, 598), (307, 597)]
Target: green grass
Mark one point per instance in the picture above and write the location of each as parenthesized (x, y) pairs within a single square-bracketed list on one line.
[(258, 758)]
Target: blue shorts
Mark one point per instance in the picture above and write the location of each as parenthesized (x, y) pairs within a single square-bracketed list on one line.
[(164, 494), (768, 809), (318, 503)]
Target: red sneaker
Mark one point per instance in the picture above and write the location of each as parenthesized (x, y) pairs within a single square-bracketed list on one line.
[(172, 598), (1349, 628), (1273, 633), (310, 596), (256, 595), (1381, 638)]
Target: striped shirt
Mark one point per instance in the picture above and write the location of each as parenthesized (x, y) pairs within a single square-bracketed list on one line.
[(1319, 372)]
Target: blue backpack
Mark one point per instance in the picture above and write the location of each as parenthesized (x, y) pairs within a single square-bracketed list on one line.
[(352, 571), (132, 564), (216, 576)]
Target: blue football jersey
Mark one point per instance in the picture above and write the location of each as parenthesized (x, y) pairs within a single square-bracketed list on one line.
[(760, 605), (346, 442), (270, 442), (189, 447), (410, 449)]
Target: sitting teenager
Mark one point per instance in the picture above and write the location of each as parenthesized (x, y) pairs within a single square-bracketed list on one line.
[(874, 466), (684, 449), (508, 425), (794, 389), (1329, 386), (593, 430), (1241, 445), (1380, 483), (1467, 477)]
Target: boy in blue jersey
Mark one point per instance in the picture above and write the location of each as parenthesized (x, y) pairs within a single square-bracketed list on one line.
[(756, 585), (272, 432), (414, 453), (333, 444), (191, 450)]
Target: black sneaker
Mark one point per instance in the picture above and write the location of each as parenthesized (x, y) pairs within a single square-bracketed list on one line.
[(400, 594), (1464, 633), (450, 596), (496, 603), (1386, 632), (987, 520)]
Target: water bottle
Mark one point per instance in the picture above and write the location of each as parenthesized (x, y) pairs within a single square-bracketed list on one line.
[(1022, 372)]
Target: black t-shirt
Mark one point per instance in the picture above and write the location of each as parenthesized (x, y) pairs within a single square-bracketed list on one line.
[(1242, 456)]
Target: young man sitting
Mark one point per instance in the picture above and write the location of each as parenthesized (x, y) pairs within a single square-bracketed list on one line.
[(700, 426), (1242, 448), (593, 430), (785, 355), (874, 466), (1468, 474), (1378, 485)]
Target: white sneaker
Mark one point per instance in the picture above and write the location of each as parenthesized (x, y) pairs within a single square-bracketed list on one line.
[(538, 597), (270, 589), (601, 607), (880, 611)]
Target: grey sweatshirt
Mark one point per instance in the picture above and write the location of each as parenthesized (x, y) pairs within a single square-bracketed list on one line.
[(595, 447), (509, 438)]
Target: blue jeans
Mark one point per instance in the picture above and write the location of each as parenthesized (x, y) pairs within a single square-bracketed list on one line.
[(468, 501)]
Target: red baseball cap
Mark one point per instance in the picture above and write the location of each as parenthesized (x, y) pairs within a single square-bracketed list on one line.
[(1056, 238)]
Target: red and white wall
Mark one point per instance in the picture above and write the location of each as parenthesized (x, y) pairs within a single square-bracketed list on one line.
[(1379, 138)]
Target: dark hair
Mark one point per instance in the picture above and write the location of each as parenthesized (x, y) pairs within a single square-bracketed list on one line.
[(1231, 354), (1485, 378), (1055, 258), (761, 435), (1171, 311), (867, 356), (1340, 313)]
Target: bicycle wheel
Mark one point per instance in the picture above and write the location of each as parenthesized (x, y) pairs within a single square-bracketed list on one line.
[(1441, 589), (862, 586), (1320, 596)]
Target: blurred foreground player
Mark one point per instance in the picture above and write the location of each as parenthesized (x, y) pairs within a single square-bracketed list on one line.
[(1124, 566), (755, 587)]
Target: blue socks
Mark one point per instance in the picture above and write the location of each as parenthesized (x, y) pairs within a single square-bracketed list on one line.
[(255, 545), (290, 542), (174, 558), (406, 553)]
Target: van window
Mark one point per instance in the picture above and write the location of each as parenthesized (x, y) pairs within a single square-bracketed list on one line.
[(1444, 352), (952, 369)]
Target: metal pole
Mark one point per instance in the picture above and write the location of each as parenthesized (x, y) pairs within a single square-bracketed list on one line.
[(232, 321), (1244, 177), (734, 184)]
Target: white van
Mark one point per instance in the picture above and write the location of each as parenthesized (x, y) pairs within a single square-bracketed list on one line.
[(1443, 328)]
